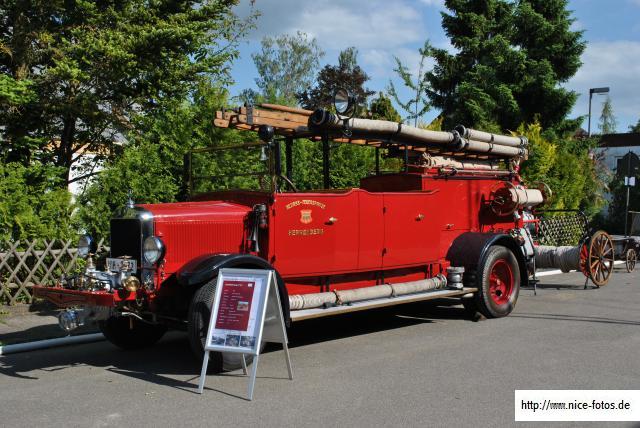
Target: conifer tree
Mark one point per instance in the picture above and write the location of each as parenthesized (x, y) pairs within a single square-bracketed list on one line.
[(608, 122), (511, 59)]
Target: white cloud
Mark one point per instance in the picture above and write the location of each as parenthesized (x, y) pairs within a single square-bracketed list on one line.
[(379, 29), (614, 64), (366, 24), (378, 63), (436, 3), (577, 25)]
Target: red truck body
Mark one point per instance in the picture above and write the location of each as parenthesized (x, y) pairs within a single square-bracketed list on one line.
[(395, 230), (399, 227)]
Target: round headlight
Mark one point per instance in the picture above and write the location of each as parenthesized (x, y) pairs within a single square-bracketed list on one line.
[(153, 249), (343, 102), (86, 245)]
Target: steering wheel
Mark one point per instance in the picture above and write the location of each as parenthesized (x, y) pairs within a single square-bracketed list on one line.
[(289, 183)]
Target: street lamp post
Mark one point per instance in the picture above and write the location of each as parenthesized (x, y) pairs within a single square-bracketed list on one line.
[(629, 182), (591, 92)]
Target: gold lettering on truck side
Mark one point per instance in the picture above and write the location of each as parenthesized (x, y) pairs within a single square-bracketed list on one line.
[(305, 202), (305, 232)]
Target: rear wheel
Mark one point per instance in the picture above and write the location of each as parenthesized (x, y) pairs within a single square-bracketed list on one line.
[(199, 316), (630, 260), (498, 283), (131, 333)]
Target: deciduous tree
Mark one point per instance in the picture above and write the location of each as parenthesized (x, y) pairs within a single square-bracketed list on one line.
[(77, 75), (152, 163), (286, 66), (566, 166), (33, 203), (418, 104), (381, 108), (347, 74)]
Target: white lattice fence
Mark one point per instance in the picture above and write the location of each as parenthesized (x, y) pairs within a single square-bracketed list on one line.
[(24, 264)]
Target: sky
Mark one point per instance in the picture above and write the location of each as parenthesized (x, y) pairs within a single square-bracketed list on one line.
[(382, 29)]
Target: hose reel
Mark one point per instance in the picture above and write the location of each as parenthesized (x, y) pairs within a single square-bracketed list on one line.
[(505, 197), (594, 258)]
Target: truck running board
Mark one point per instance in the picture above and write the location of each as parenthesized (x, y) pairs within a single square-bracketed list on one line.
[(305, 314)]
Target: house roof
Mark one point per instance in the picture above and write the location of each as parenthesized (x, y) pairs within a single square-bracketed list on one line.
[(619, 140)]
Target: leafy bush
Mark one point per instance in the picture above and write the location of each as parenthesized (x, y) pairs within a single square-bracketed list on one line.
[(34, 203), (567, 167)]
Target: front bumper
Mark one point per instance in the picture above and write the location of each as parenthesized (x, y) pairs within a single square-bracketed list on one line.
[(65, 298)]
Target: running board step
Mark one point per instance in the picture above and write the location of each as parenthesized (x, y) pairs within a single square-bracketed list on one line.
[(305, 314)]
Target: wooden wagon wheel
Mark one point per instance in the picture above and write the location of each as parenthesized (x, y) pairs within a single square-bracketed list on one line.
[(630, 260), (596, 258)]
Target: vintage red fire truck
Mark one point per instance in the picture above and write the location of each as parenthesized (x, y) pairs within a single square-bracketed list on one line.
[(452, 223)]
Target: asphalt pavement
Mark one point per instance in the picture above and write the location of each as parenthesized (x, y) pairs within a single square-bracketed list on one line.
[(420, 364)]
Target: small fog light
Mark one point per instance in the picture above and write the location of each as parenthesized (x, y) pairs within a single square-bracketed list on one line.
[(69, 320), (131, 284)]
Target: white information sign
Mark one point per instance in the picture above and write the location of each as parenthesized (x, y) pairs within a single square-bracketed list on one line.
[(246, 312)]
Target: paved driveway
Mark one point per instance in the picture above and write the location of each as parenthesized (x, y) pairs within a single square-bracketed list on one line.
[(413, 365)]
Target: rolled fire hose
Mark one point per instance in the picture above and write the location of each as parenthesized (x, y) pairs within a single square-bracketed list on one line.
[(564, 258), (324, 120), (486, 137), (526, 197), (489, 148), (446, 162), (509, 198), (331, 298)]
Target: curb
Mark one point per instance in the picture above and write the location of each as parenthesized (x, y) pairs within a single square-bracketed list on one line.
[(558, 271)]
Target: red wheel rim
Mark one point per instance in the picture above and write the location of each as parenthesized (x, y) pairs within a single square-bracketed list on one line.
[(501, 282), (584, 260)]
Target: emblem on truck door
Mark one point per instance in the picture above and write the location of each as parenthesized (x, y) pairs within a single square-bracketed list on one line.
[(305, 216)]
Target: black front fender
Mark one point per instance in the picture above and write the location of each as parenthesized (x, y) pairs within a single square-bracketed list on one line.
[(202, 269), (470, 249)]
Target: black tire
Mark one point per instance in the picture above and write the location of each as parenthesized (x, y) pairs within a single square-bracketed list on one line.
[(130, 333), (471, 310), (199, 316), (497, 294)]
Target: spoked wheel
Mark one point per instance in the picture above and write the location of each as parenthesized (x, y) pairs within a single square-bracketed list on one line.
[(596, 258), (630, 260)]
